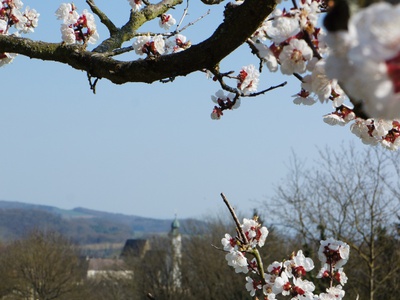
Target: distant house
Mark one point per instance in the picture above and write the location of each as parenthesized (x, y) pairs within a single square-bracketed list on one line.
[(102, 268), (135, 248), (138, 250)]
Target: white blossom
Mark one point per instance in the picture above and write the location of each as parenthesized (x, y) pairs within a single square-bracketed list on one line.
[(361, 129), (32, 20), (252, 286), (67, 34), (166, 21), (318, 82), (294, 56), (332, 293), (135, 4), (248, 79), (67, 13), (159, 44), (334, 119), (366, 61), (228, 242), (267, 56), (337, 252), (391, 145), (381, 127), (307, 288), (91, 27), (279, 285), (237, 260), (282, 28), (6, 58), (3, 26), (140, 42)]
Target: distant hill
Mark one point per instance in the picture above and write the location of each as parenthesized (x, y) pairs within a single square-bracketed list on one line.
[(82, 225)]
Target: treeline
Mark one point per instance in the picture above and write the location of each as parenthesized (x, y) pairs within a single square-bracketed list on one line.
[(81, 225), (48, 266), (16, 223)]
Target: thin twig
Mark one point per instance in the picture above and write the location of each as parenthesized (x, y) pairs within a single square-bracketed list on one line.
[(183, 15), (255, 51), (102, 16), (235, 219), (167, 34), (219, 76), (118, 51), (309, 42), (298, 76), (177, 30), (219, 249), (192, 23), (92, 84), (266, 90)]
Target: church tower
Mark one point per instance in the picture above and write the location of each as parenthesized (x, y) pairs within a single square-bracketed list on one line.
[(176, 247)]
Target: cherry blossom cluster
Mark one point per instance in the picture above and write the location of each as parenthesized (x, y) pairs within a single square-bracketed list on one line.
[(287, 41), (81, 28), (333, 255), (287, 278), (253, 235), (76, 28), (246, 82), (360, 63), (223, 102), (365, 60), (136, 4), (13, 16), (159, 44), (367, 64)]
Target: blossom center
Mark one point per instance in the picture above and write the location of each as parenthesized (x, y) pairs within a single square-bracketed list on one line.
[(299, 271), (393, 71), (297, 55)]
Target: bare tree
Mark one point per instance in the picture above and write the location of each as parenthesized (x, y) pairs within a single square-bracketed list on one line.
[(111, 287), (206, 273), (43, 266), (154, 273), (352, 196)]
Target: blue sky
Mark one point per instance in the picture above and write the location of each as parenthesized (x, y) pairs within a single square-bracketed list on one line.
[(147, 150)]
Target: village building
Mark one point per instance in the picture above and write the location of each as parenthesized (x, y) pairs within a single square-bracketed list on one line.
[(136, 251), (103, 268)]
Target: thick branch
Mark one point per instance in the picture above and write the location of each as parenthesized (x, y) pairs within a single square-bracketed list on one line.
[(240, 22), (136, 20)]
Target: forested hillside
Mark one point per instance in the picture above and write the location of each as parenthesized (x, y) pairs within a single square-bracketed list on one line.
[(82, 226)]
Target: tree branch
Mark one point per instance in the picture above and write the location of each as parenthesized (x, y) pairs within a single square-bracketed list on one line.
[(103, 17), (136, 20), (240, 22), (239, 228)]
